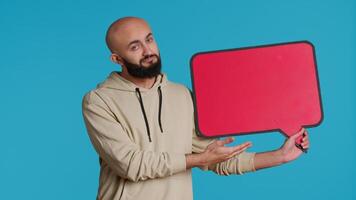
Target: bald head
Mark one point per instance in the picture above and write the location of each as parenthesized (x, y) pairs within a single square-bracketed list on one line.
[(121, 31)]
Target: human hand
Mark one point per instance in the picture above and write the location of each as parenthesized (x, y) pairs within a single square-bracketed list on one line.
[(217, 152), (289, 150)]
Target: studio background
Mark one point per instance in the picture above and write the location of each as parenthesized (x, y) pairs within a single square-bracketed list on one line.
[(53, 52)]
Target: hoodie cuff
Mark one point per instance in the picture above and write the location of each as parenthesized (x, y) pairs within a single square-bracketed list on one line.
[(246, 162), (178, 163)]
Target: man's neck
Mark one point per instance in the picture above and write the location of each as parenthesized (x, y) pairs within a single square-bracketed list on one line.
[(142, 82)]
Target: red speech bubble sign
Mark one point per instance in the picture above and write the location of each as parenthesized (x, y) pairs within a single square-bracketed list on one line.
[(256, 89)]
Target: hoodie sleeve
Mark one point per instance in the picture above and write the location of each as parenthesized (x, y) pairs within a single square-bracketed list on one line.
[(119, 152)]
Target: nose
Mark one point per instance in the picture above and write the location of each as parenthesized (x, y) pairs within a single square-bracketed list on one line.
[(147, 50)]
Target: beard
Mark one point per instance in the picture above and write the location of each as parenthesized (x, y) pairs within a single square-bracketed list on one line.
[(139, 71)]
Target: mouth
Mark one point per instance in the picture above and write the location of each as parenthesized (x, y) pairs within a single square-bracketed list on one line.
[(149, 59)]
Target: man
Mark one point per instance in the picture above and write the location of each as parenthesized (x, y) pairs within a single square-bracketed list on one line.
[(142, 127)]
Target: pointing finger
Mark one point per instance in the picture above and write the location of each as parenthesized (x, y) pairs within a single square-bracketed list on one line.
[(242, 146)]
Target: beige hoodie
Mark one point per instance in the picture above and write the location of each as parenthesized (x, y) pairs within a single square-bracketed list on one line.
[(142, 137)]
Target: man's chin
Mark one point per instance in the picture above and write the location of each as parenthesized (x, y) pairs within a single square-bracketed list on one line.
[(148, 65)]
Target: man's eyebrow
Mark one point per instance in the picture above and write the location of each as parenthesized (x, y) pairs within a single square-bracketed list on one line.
[(148, 35)]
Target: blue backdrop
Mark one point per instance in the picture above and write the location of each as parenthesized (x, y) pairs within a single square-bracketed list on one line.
[(52, 52)]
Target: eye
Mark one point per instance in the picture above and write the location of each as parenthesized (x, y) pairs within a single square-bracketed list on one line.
[(134, 47), (149, 39)]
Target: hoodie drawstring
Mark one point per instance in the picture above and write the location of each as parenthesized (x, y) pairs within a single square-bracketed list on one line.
[(160, 107), (144, 112)]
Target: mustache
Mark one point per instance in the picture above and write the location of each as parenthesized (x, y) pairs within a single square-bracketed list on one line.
[(149, 56)]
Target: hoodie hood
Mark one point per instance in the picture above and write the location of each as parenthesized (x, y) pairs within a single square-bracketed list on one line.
[(115, 81)]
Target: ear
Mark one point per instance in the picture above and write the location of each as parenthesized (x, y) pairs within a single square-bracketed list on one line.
[(116, 59)]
